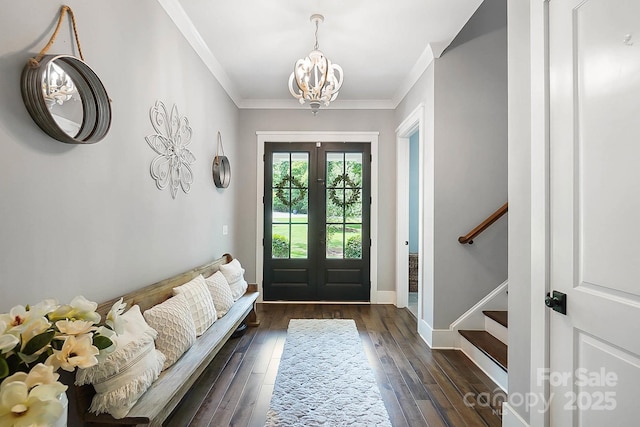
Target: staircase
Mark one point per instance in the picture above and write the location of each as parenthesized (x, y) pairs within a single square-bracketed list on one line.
[(488, 347)]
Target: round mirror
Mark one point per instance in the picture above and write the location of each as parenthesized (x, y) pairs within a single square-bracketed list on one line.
[(66, 99), (221, 171)]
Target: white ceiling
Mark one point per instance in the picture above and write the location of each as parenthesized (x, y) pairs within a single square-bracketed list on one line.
[(383, 46)]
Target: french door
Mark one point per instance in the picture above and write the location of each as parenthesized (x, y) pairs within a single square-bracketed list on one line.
[(317, 222)]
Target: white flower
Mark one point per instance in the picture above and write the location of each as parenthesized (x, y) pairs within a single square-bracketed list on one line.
[(76, 352), (79, 308), (38, 375), (74, 327), (114, 318), (23, 323), (23, 406), (33, 327), (7, 341), (15, 318), (42, 308)]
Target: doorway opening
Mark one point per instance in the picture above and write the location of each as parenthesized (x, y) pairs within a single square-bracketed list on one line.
[(410, 213), (414, 212)]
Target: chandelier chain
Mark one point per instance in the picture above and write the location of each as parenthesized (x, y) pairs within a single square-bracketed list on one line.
[(316, 46)]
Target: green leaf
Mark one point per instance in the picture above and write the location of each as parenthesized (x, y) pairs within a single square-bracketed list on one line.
[(57, 344), (26, 360), (38, 342), (4, 368), (14, 362), (102, 342)]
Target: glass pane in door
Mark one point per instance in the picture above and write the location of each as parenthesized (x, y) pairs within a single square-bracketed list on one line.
[(290, 201), (344, 205)]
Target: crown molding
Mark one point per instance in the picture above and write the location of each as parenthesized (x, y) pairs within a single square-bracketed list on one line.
[(339, 104), (185, 26), (430, 53)]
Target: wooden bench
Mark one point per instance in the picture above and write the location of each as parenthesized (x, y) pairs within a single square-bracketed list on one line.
[(159, 401)]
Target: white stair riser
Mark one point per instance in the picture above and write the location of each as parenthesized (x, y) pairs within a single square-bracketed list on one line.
[(488, 366), (496, 329)]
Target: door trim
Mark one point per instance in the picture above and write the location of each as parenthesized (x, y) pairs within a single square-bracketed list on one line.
[(297, 136), (414, 122), (540, 173)]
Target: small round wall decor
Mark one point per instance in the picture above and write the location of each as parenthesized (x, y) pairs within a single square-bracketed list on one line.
[(221, 168)]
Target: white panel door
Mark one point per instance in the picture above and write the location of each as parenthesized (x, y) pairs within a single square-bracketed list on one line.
[(594, 50)]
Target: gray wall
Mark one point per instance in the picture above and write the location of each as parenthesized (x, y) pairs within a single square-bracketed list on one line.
[(245, 177), (470, 162), (519, 201), (465, 97), (89, 219)]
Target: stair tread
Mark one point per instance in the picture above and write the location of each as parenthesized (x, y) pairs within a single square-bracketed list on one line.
[(499, 316), (495, 349)]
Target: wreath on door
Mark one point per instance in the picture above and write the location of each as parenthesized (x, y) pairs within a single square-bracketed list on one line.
[(293, 183), (348, 183)]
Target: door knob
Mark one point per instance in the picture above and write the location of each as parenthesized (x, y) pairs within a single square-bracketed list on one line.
[(557, 301), (406, 243)]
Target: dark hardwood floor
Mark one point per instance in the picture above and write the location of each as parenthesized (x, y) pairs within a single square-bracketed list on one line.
[(419, 386)]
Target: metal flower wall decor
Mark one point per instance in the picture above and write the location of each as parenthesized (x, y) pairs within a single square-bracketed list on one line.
[(173, 134)]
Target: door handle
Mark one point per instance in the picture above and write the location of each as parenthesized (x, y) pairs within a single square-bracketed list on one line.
[(406, 243), (557, 301)]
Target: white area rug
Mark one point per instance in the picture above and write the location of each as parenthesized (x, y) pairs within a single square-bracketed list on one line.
[(324, 378)]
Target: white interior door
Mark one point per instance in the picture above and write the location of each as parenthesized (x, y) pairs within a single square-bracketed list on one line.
[(594, 202)]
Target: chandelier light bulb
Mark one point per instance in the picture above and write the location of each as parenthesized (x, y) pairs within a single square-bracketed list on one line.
[(315, 78)]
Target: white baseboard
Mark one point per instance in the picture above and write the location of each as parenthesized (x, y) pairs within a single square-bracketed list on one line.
[(445, 339), (426, 332), (380, 297), (511, 418), (384, 297), (441, 339)]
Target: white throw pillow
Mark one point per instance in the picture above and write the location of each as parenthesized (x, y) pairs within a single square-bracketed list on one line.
[(127, 373), (176, 331), (200, 303), (220, 293), (234, 273)]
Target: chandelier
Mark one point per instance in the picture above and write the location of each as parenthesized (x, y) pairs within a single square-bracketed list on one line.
[(315, 78), (57, 86)]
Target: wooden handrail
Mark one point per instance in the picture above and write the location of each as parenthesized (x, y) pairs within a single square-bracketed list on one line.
[(484, 225)]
